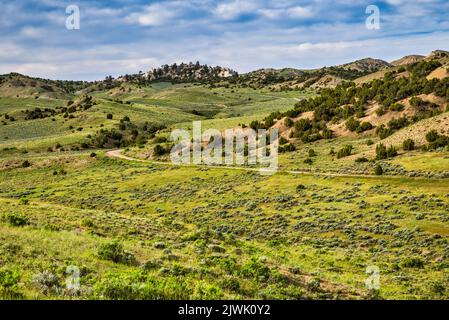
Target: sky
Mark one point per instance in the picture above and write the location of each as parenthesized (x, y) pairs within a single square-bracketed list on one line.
[(119, 37)]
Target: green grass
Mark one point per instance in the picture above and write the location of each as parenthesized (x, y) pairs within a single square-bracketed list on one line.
[(330, 231), (434, 161), (207, 233)]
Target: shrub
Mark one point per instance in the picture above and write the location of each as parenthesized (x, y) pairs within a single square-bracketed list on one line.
[(308, 161), (380, 111), (9, 281), (162, 139), (16, 219), (47, 282), (327, 134), (345, 151), (432, 136), (113, 251), (206, 291), (383, 132), (312, 153), (383, 152), (287, 148), (413, 262), (364, 126), (361, 160), (352, 124), (135, 286), (397, 107), (109, 116), (282, 141), (288, 122), (408, 144), (256, 270), (159, 150), (378, 171), (26, 164)]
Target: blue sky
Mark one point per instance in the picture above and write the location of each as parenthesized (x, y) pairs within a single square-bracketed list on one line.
[(124, 36)]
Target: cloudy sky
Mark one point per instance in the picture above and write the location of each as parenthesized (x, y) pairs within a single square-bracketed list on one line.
[(126, 36)]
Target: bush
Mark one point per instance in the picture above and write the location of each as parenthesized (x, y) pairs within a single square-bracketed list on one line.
[(206, 291), (16, 219), (364, 126), (327, 134), (345, 151), (397, 107), (256, 270), (282, 141), (378, 171), (288, 122), (114, 252), (308, 161), (383, 152), (159, 150), (287, 148), (408, 145), (47, 282), (414, 262), (361, 160), (352, 124), (432, 136), (109, 116), (312, 153), (136, 286), (9, 281), (26, 164), (384, 132)]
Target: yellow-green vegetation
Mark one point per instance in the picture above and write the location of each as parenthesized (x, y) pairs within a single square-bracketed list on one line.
[(342, 203), (145, 231)]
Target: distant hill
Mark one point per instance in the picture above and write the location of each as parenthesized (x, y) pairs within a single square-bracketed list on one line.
[(21, 86), (407, 60), (366, 65), (381, 103), (438, 54), (184, 72)]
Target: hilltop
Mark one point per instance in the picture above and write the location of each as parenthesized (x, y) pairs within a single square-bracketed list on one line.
[(183, 72), (366, 65)]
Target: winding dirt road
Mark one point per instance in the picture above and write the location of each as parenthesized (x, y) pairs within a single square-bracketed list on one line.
[(118, 154)]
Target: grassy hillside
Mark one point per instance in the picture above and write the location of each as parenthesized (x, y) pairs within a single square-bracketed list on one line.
[(362, 183), (217, 233)]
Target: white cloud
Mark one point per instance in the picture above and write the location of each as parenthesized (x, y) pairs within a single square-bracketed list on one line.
[(153, 15), (234, 9), (31, 32), (299, 12)]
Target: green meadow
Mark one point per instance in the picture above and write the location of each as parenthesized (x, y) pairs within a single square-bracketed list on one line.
[(146, 230)]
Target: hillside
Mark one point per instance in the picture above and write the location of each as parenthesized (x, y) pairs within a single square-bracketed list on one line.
[(396, 106), (407, 60), (86, 181), (184, 72), (17, 85), (366, 65)]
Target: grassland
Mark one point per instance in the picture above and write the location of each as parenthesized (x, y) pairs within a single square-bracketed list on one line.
[(142, 230), (218, 233)]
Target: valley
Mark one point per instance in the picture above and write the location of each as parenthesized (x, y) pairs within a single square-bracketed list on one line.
[(87, 183)]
